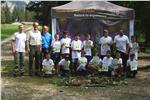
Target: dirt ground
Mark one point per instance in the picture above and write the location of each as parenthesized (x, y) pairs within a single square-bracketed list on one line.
[(37, 88)]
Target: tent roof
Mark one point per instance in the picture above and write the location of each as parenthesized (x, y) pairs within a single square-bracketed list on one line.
[(101, 7)]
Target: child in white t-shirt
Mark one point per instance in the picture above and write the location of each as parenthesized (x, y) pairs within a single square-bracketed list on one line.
[(47, 66), (117, 66), (88, 45), (65, 44), (134, 47), (76, 47), (132, 65), (107, 63), (82, 63), (56, 46), (94, 65), (105, 43), (64, 66)]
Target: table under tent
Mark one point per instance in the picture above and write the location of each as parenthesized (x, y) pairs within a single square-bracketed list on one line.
[(92, 17)]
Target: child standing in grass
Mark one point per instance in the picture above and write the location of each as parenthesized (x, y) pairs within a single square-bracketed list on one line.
[(56, 46), (47, 66), (117, 65), (76, 47), (132, 65), (107, 63), (64, 66), (87, 45), (134, 47), (95, 64), (82, 63)]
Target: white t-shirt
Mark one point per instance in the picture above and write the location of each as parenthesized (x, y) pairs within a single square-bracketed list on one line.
[(115, 62), (88, 44), (105, 41), (66, 42), (56, 45), (20, 39), (121, 42), (76, 45), (48, 65), (107, 62), (65, 64), (82, 63), (134, 47), (34, 37), (133, 64), (95, 61)]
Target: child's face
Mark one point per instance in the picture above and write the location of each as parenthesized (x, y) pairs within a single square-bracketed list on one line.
[(82, 54), (117, 55), (88, 37), (77, 37), (56, 37), (48, 56), (65, 35), (132, 57), (96, 54), (108, 55), (105, 34), (66, 58), (133, 39)]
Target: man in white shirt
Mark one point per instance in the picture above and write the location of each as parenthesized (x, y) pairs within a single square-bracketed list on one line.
[(105, 44), (76, 47), (18, 49), (34, 49), (65, 44), (121, 43)]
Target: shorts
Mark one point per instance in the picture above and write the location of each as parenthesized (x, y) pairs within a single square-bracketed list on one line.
[(88, 58), (74, 60), (56, 57), (102, 56)]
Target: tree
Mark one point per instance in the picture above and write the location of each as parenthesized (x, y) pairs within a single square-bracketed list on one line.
[(7, 14), (142, 17), (43, 10)]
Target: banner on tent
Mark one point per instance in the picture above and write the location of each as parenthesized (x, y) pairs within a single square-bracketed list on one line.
[(94, 27)]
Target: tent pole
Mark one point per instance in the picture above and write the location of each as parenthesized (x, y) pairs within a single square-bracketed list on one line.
[(131, 28), (53, 27)]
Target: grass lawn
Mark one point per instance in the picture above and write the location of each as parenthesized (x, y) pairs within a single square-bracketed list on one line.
[(39, 88), (9, 29)]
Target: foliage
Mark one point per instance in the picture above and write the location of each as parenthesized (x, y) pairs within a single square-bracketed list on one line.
[(43, 10), (88, 81), (17, 14), (9, 29), (142, 16)]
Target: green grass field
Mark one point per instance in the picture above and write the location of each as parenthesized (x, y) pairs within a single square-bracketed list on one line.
[(9, 29)]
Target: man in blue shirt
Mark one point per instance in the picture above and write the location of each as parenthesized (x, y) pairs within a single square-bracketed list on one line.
[(46, 41)]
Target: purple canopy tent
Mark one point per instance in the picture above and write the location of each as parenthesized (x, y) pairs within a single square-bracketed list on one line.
[(92, 17)]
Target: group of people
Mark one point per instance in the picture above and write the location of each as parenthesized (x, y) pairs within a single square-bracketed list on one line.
[(63, 56)]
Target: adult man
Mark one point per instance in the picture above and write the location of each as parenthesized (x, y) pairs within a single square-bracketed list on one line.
[(105, 44), (34, 49), (121, 43), (18, 49), (46, 40)]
